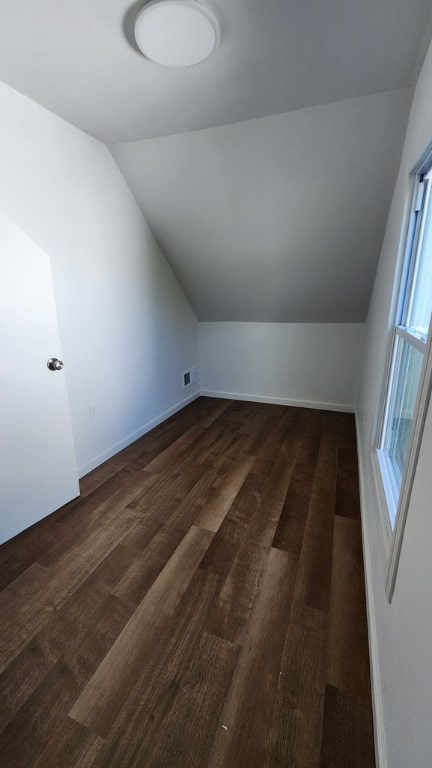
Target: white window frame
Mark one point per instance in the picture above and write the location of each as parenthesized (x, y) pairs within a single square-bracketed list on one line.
[(423, 399), (397, 500)]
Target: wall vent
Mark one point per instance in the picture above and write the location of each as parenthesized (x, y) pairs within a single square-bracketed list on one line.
[(190, 376)]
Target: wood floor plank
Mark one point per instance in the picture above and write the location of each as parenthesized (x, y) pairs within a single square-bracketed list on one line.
[(25, 737), (215, 511), (177, 449), (295, 733), (347, 731), (347, 499), (226, 437), (273, 495), (309, 426), (70, 746), (109, 469), (192, 707), (151, 699), (227, 541), (313, 582), (143, 570), (111, 569), (271, 416), (292, 521), (201, 605), (156, 537), (347, 638), (72, 646), (314, 577), (80, 633), (19, 554), (206, 410), (100, 701), (283, 429), (202, 689), (249, 704), (169, 487), (216, 410), (241, 585), (327, 460), (149, 560), (22, 619), (88, 519)]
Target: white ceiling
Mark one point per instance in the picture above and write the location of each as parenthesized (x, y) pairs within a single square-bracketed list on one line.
[(78, 59), (278, 219)]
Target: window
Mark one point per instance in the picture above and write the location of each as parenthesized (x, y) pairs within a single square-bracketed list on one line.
[(410, 347)]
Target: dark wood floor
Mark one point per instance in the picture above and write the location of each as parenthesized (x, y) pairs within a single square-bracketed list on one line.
[(200, 606)]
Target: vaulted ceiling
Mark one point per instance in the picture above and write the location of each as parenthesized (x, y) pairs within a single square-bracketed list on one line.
[(277, 219), (78, 58), (266, 172)]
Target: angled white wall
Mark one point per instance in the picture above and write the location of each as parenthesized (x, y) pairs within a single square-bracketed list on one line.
[(309, 364), (401, 632), (278, 219), (127, 330)]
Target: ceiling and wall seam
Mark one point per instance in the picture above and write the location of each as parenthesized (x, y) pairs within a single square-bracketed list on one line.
[(265, 172), (277, 219)]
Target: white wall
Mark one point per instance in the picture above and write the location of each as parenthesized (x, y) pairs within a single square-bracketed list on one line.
[(127, 330), (309, 364), (279, 219), (401, 632)]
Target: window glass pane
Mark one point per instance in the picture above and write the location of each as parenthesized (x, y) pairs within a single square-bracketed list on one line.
[(420, 303), (405, 385)]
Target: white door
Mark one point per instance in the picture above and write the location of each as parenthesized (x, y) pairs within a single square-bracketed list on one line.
[(37, 462)]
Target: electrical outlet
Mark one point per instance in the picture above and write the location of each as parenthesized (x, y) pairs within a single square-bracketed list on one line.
[(363, 414), (92, 412)]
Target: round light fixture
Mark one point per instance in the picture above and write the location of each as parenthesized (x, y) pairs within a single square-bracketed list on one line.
[(176, 33)]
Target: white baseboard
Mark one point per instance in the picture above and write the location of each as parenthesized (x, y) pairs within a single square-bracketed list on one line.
[(113, 449), (279, 401), (377, 706)]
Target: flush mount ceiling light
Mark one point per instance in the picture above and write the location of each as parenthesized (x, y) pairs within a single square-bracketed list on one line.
[(176, 33)]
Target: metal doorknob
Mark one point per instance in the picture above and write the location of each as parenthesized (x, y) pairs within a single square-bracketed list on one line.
[(54, 364)]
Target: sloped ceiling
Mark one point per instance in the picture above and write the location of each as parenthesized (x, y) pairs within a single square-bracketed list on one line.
[(278, 219), (78, 58)]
